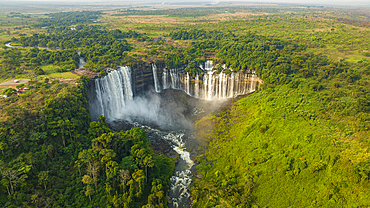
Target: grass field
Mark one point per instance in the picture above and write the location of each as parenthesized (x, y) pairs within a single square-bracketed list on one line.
[(49, 69), (63, 75), (295, 156)]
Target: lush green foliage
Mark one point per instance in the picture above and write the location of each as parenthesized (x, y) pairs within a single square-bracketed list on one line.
[(73, 39), (18, 61), (99, 47), (8, 91), (64, 20), (195, 34), (130, 173), (303, 143), (46, 154)]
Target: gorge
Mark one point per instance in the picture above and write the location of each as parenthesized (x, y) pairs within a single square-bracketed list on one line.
[(137, 95)]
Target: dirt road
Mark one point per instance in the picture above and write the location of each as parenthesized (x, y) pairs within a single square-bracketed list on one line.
[(11, 83)]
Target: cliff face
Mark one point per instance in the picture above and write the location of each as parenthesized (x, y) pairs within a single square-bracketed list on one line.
[(142, 77), (143, 80), (110, 94)]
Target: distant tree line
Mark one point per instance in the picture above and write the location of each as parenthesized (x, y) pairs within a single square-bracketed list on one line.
[(67, 19)]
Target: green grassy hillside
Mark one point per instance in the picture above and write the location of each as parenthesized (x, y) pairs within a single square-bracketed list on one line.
[(286, 147)]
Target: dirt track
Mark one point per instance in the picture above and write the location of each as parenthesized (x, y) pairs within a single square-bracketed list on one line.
[(12, 83)]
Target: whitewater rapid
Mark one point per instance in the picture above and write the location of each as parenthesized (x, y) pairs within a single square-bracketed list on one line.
[(182, 176)]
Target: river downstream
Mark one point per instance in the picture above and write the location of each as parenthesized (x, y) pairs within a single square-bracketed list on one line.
[(177, 140)]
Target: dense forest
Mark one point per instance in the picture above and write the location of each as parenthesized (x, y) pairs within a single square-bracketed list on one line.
[(301, 141), (16, 61), (53, 156), (97, 46)]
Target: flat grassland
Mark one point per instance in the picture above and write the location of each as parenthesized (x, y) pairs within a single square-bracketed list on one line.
[(320, 29)]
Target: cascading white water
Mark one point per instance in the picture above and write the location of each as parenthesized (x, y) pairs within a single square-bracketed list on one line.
[(208, 65), (156, 81), (175, 79), (231, 90), (115, 81), (220, 85), (105, 96), (252, 82), (99, 94), (201, 67), (81, 62), (214, 86), (112, 91), (210, 78), (182, 177), (115, 89), (187, 83), (126, 73), (196, 86), (165, 78)]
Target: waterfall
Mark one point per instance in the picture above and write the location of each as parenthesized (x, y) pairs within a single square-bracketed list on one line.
[(187, 83), (201, 67), (165, 78), (155, 76), (225, 85), (115, 80), (208, 65), (245, 85), (231, 87), (175, 79), (252, 82), (98, 93), (218, 86), (112, 96), (196, 86), (112, 91), (222, 85), (81, 61), (126, 73), (210, 90)]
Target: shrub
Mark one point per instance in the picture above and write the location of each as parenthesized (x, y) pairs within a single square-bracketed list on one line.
[(38, 71), (9, 91), (20, 86)]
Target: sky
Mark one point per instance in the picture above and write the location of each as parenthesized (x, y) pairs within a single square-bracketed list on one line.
[(319, 2)]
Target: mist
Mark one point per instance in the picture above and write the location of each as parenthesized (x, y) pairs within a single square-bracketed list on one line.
[(159, 109)]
